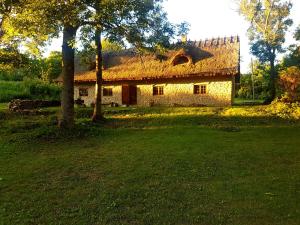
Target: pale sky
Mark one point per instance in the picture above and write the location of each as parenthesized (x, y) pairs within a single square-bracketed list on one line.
[(214, 18)]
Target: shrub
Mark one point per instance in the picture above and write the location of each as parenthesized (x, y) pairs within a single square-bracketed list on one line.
[(290, 82), (42, 90), (28, 89), (11, 90), (284, 110)]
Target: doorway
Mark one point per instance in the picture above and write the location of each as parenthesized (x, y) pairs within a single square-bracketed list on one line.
[(129, 94)]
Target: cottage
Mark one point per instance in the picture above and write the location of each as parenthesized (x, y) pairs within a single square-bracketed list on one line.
[(191, 74)]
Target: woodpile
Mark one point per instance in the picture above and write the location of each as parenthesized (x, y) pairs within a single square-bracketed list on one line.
[(18, 105)]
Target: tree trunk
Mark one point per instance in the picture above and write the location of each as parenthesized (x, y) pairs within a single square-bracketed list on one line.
[(273, 74), (272, 80), (97, 115), (67, 95)]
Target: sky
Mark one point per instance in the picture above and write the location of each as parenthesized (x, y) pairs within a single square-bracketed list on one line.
[(215, 18)]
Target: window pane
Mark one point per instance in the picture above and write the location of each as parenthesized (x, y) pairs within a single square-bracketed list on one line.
[(155, 91), (196, 89), (158, 90), (107, 92), (203, 89), (161, 91), (83, 92)]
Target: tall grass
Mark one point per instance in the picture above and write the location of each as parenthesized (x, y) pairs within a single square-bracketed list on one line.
[(28, 89)]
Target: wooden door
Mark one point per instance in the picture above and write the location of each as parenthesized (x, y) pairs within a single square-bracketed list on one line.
[(132, 95), (129, 95), (125, 95)]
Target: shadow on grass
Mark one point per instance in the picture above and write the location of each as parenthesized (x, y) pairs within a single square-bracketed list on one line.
[(42, 127)]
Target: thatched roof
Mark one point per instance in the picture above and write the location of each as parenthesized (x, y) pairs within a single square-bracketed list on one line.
[(214, 57)]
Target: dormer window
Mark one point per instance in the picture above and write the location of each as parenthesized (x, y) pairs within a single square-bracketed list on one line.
[(180, 60), (182, 57)]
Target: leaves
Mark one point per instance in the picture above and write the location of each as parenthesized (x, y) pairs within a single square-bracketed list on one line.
[(290, 81), (269, 22)]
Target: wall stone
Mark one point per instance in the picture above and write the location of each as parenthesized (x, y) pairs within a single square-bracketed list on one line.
[(219, 93), (90, 99)]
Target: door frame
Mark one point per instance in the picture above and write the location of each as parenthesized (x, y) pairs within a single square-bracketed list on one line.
[(129, 94)]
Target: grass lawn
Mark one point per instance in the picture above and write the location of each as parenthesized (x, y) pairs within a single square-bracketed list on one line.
[(204, 166)]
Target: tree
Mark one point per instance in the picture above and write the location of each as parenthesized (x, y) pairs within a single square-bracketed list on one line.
[(143, 24), (293, 58), (6, 7), (269, 23), (53, 66), (46, 18), (132, 20), (258, 81)]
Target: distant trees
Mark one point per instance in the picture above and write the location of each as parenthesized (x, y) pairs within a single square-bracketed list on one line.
[(257, 82), (269, 21), (293, 58), (290, 72), (52, 66)]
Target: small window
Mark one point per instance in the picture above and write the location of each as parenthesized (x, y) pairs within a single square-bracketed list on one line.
[(200, 89), (158, 90), (107, 92), (83, 92)]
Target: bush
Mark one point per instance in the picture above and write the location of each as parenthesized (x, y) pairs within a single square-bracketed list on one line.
[(28, 89), (11, 90), (284, 110), (290, 82), (42, 90)]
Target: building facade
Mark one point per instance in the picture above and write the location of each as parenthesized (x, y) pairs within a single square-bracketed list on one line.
[(192, 74)]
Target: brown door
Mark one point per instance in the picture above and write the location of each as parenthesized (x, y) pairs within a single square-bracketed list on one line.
[(129, 95), (133, 94)]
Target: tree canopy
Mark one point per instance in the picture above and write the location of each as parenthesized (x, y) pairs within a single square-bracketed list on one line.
[(143, 24), (269, 21)]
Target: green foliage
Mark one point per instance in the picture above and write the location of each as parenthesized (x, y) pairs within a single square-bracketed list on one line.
[(284, 110), (53, 66), (88, 53), (269, 23), (266, 38), (290, 83), (261, 81), (28, 89), (12, 90), (15, 66), (293, 58)]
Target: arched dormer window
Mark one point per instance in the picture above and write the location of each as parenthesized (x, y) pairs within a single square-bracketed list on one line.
[(181, 58)]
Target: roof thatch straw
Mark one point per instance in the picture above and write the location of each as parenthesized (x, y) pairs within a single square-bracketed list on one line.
[(213, 57)]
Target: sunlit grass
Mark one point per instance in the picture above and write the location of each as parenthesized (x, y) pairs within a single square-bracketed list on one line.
[(150, 166)]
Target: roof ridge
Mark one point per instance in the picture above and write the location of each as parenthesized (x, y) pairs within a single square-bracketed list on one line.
[(215, 41)]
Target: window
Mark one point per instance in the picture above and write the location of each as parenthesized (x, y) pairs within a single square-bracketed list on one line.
[(107, 92), (158, 90), (180, 60), (83, 92), (200, 89)]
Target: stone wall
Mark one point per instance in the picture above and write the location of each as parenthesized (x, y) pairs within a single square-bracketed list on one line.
[(219, 93), (90, 99)]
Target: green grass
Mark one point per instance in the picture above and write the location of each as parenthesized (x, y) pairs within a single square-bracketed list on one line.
[(151, 166), (241, 101)]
